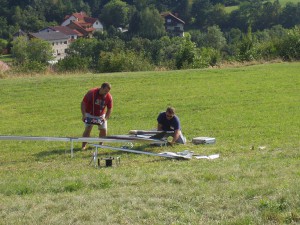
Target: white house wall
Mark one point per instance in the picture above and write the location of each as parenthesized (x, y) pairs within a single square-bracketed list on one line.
[(59, 48), (68, 21), (98, 26)]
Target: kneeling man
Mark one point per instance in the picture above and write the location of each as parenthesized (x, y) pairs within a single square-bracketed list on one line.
[(168, 121)]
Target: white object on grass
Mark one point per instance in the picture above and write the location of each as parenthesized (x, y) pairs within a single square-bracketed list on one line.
[(215, 156), (204, 140)]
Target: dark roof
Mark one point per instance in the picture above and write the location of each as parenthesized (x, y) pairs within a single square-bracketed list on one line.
[(64, 30), (20, 33), (90, 20), (168, 14), (50, 36)]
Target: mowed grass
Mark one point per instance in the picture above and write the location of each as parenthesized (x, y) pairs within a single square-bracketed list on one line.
[(253, 112), (283, 3)]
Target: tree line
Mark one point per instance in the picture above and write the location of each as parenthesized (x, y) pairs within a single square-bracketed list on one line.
[(255, 30)]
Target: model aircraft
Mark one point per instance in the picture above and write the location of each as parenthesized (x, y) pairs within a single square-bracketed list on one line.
[(148, 137)]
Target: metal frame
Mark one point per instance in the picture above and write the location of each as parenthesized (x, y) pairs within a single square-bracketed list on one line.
[(63, 139), (111, 139), (170, 155)]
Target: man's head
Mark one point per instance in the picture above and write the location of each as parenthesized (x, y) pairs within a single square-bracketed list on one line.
[(170, 112), (105, 88)]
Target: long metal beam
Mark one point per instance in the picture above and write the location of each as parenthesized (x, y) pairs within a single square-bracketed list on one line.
[(63, 139), (34, 138), (111, 139), (133, 151)]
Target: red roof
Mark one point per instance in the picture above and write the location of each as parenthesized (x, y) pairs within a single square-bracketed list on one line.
[(83, 24), (80, 15)]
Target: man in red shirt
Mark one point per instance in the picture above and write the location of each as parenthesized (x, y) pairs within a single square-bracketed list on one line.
[(97, 103)]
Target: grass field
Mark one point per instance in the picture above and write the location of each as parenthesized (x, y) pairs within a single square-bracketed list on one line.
[(229, 9), (253, 112)]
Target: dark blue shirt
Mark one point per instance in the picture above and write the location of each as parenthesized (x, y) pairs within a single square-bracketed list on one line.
[(168, 125)]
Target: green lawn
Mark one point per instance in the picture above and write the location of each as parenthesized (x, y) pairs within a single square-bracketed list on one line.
[(229, 9), (253, 112)]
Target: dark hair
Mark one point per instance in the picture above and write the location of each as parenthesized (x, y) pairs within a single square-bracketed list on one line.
[(105, 85), (171, 110)]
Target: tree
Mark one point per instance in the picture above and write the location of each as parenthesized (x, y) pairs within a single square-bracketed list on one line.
[(3, 45), (218, 16), (200, 11), (19, 50), (270, 15), (147, 23), (39, 51), (186, 53), (4, 9), (3, 28), (85, 49), (27, 51), (115, 13), (215, 38), (290, 15), (247, 15)]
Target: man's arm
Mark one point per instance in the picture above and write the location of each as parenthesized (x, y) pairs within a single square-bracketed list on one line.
[(159, 127), (83, 110), (175, 136), (107, 114)]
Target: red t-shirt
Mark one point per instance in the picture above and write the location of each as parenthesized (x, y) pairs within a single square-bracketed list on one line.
[(95, 104)]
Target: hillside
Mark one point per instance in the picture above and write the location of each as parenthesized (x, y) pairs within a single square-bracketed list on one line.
[(252, 111)]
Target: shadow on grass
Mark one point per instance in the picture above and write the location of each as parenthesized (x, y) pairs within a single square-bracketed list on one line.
[(105, 153), (64, 151)]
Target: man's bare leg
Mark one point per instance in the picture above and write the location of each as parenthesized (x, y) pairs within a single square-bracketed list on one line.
[(86, 133), (102, 133)]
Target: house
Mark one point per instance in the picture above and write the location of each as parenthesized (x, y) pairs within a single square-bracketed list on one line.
[(174, 26), (20, 33), (83, 24), (73, 34), (59, 42)]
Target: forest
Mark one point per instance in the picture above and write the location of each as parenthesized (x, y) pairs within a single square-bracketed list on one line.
[(215, 30)]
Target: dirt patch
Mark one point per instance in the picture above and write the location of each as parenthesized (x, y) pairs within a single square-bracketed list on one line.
[(4, 66)]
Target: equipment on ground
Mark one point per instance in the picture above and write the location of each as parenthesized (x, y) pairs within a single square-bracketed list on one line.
[(150, 137), (172, 155), (203, 140)]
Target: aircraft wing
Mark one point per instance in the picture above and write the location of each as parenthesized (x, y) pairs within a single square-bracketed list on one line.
[(171, 155), (136, 138)]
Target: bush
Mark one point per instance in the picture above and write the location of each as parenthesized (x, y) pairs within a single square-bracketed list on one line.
[(123, 61), (289, 47), (266, 51), (206, 57), (72, 63), (30, 67)]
